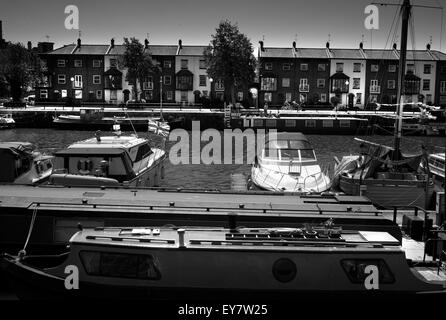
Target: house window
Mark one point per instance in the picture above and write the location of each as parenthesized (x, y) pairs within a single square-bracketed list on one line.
[(268, 66), (99, 94), (428, 98), (410, 68), (148, 94), (167, 64), (202, 81), (427, 69), (426, 84), (286, 67), (321, 67), (327, 123), (442, 87), (202, 64), (113, 94), (303, 85), (240, 96), (393, 98), (304, 67), (219, 96), (44, 94), (61, 63), (268, 97), (290, 123), (169, 95), (356, 67), (303, 98), (374, 68), (374, 86), (78, 81), (148, 83), (321, 83), (286, 82), (78, 63), (183, 96), (373, 98), (96, 79), (288, 96), (358, 98), (78, 94), (97, 63), (167, 80), (269, 84), (61, 79), (113, 63), (63, 93), (392, 67), (356, 83), (184, 63), (391, 84), (323, 97), (339, 85), (310, 123), (344, 123), (219, 85), (443, 69), (339, 67)]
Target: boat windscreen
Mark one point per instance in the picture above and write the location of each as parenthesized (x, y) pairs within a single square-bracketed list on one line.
[(289, 144), (289, 154), (307, 154)]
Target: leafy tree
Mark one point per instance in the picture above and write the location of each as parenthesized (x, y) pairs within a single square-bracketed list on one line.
[(229, 57), (139, 63), (17, 69)]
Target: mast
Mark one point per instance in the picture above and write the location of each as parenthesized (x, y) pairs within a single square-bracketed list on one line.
[(405, 12)]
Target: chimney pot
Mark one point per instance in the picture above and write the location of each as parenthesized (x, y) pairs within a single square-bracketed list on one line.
[(394, 46), (361, 45), (261, 46), (146, 43), (327, 45), (180, 43), (294, 45), (428, 46), (112, 42), (79, 42), (30, 46)]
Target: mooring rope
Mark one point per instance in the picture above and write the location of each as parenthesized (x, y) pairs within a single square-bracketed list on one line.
[(22, 252)]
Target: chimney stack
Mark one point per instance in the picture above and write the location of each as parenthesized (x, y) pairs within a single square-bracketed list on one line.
[(112, 43), (180, 44), (261, 46), (294, 45), (79, 42), (327, 45), (428, 46), (146, 44), (361, 46), (394, 46), (30, 46)]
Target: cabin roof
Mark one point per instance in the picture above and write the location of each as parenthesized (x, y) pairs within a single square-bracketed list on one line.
[(108, 142), (297, 136)]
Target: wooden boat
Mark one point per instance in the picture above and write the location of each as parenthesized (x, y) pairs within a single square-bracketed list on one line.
[(109, 161), (20, 163), (213, 263), (436, 162), (288, 163), (6, 121)]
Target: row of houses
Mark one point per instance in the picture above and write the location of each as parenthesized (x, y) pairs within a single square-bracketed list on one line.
[(312, 76)]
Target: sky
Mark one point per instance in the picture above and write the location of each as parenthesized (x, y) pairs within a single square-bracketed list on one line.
[(277, 22)]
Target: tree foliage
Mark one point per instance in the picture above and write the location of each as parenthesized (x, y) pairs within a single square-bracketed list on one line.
[(229, 57), (139, 63), (17, 69)]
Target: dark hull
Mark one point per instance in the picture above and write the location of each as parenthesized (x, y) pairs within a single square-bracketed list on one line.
[(28, 284), (105, 125)]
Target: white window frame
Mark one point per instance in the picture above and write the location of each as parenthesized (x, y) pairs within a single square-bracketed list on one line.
[(356, 64), (429, 67), (78, 63), (167, 64), (321, 83), (286, 82), (61, 63), (169, 95), (113, 63), (442, 87), (184, 64), (78, 83), (321, 69), (392, 68), (167, 83), (303, 67), (374, 68), (268, 66), (99, 94), (323, 97), (97, 63), (358, 87), (393, 86), (339, 67), (240, 96), (43, 93), (200, 78), (96, 79), (268, 96), (288, 96), (148, 84), (202, 64), (286, 66), (61, 79), (428, 81)]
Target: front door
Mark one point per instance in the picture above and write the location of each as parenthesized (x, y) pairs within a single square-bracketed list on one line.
[(351, 100), (126, 95)]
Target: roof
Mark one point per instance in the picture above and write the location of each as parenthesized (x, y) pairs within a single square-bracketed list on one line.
[(164, 50), (112, 72), (339, 75), (378, 54), (439, 55), (418, 55), (346, 54), (67, 49), (320, 53), (108, 142), (184, 72), (93, 49), (277, 53), (192, 50), (117, 50)]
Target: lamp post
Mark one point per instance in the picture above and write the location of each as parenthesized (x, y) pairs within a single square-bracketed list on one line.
[(161, 98), (210, 91)]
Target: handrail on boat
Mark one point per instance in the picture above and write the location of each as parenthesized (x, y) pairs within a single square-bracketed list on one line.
[(441, 252), (416, 209)]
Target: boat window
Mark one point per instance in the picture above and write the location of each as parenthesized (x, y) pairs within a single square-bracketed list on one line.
[(271, 153), (120, 265), (307, 154), (289, 154), (143, 152)]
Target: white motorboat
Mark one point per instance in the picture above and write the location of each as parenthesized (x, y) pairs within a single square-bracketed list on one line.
[(287, 163)]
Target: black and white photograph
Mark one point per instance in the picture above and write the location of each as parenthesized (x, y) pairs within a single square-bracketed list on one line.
[(223, 159)]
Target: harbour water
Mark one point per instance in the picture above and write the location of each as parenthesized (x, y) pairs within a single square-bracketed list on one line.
[(199, 176)]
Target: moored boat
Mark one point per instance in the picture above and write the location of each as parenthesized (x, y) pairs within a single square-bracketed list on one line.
[(213, 263), (7, 121), (109, 161), (21, 163), (288, 163)]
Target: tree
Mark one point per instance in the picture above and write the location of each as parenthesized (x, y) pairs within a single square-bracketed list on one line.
[(229, 57), (17, 70), (138, 62)]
